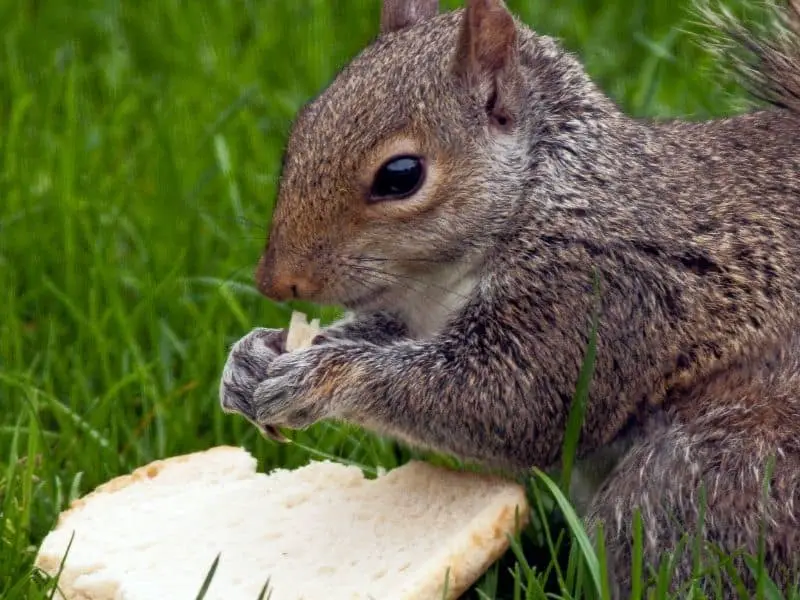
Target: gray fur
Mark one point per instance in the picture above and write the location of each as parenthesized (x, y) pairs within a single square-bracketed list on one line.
[(247, 362), (537, 180)]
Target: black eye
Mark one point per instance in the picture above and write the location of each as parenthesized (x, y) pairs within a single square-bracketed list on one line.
[(398, 178)]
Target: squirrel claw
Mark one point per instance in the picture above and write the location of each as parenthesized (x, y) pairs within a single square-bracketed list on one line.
[(273, 433)]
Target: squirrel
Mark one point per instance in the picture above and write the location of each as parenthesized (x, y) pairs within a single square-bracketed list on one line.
[(459, 187)]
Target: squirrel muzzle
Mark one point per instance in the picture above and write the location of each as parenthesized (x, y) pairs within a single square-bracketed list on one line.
[(284, 279)]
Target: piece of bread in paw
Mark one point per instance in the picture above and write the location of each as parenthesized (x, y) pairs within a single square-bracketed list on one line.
[(322, 531), (301, 332)]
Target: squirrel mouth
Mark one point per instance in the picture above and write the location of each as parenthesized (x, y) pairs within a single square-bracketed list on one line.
[(366, 299)]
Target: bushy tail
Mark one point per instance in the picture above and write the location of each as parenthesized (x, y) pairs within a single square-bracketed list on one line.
[(770, 68)]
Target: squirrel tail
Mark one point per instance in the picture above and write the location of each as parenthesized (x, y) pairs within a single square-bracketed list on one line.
[(777, 68), (771, 72)]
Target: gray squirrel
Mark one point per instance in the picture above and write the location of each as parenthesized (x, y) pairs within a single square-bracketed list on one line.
[(458, 186)]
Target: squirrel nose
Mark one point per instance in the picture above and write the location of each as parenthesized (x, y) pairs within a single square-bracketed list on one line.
[(282, 282)]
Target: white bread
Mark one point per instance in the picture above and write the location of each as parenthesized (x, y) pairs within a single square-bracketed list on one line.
[(322, 531), (301, 333)]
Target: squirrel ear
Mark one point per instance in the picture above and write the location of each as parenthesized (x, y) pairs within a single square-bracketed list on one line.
[(486, 58), (488, 38), (399, 14)]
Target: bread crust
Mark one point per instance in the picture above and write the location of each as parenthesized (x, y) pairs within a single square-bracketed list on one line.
[(148, 471)]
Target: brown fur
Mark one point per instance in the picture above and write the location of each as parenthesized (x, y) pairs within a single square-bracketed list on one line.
[(472, 298)]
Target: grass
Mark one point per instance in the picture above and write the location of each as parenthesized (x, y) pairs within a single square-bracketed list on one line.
[(139, 149)]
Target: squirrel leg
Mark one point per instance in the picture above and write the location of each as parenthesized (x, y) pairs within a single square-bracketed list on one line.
[(379, 327), (680, 477)]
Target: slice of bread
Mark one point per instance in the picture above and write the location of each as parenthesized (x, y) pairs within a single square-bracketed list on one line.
[(322, 531)]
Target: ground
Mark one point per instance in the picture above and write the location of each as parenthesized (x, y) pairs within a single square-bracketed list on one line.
[(139, 149)]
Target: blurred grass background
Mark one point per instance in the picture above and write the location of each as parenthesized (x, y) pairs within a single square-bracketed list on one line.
[(139, 149)]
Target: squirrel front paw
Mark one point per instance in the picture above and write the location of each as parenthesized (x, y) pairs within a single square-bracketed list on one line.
[(246, 367), (293, 394)]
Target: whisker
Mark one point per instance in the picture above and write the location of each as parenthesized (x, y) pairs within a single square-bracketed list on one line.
[(363, 280), (434, 261), (398, 279), (414, 279), (392, 279), (360, 280)]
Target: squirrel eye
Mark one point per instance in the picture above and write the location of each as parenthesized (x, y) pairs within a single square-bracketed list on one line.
[(398, 178)]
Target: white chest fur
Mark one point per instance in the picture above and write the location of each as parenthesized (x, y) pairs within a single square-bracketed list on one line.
[(428, 303)]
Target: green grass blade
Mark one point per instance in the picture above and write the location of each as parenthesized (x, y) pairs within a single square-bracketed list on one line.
[(209, 577), (578, 406), (637, 557), (577, 530), (266, 592), (57, 576), (605, 590)]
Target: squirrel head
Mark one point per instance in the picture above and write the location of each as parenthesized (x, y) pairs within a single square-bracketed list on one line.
[(396, 170)]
